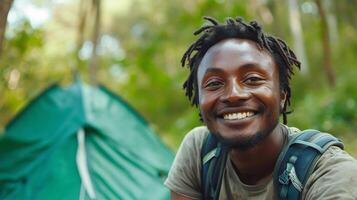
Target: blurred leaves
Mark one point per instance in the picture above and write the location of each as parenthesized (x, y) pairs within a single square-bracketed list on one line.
[(141, 61)]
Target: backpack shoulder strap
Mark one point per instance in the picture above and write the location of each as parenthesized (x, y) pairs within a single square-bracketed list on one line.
[(214, 157), (297, 161)]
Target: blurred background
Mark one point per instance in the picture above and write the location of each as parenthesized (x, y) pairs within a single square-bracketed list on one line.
[(134, 48)]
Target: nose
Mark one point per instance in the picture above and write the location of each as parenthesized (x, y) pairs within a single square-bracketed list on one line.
[(234, 92)]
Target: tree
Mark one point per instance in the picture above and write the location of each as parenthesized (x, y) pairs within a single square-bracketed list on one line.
[(295, 26), (331, 76), (93, 64), (89, 8), (4, 11)]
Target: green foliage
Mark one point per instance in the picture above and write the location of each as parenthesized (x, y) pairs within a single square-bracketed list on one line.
[(23, 70), (154, 35), (329, 110), (23, 41)]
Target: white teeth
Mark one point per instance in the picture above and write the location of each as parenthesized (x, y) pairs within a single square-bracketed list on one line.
[(240, 115)]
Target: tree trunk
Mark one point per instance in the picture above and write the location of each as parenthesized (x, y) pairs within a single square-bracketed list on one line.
[(93, 64), (83, 11), (295, 26), (331, 76), (5, 6)]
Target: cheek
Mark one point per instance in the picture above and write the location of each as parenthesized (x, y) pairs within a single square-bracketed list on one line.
[(269, 96), (204, 105), (207, 104), (205, 98), (204, 113)]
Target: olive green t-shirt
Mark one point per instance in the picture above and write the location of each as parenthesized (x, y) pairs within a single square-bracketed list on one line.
[(334, 177)]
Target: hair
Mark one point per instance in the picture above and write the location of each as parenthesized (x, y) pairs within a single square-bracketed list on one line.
[(215, 32)]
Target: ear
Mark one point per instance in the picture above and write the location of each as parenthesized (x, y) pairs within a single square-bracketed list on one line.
[(283, 95)]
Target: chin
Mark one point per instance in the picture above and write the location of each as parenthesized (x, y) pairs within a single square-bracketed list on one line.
[(243, 142)]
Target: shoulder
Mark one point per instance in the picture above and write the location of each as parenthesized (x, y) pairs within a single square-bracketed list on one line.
[(195, 137), (292, 130), (335, 160), (334, 176), (185, 174)]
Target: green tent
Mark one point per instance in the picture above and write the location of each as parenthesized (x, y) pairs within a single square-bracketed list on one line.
[(81, 142)]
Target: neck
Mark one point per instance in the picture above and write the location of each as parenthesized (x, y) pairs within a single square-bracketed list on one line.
[(256, 164)]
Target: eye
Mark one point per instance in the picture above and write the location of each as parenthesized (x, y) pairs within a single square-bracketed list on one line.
[(213, 84), (254, 80)]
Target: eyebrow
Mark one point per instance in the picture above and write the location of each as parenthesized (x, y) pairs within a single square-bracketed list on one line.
[(213, 70), (250, 65)]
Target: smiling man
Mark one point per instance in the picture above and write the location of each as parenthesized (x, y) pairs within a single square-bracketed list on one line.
[(239, 79)]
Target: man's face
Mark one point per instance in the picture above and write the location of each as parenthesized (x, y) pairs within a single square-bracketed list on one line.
[(239, 94)]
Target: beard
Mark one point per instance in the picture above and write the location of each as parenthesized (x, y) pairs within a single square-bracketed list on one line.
[(246, 143)]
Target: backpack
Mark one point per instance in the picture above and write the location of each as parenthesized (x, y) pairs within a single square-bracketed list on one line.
[(295, 164)]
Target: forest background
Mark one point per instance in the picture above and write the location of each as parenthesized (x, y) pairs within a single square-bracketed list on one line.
[(134, 48)]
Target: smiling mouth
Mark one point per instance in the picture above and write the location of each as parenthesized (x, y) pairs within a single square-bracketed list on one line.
[(237, 115)]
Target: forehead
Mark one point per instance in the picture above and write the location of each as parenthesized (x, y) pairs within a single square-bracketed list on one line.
[(236, 53)]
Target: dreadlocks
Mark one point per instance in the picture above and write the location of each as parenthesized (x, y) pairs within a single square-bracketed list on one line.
[(237, 28)]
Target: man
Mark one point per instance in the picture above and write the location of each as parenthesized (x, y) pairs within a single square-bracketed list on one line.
[(239, 79)]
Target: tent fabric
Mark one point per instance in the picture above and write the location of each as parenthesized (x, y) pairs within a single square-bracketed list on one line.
[(124, 157)]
